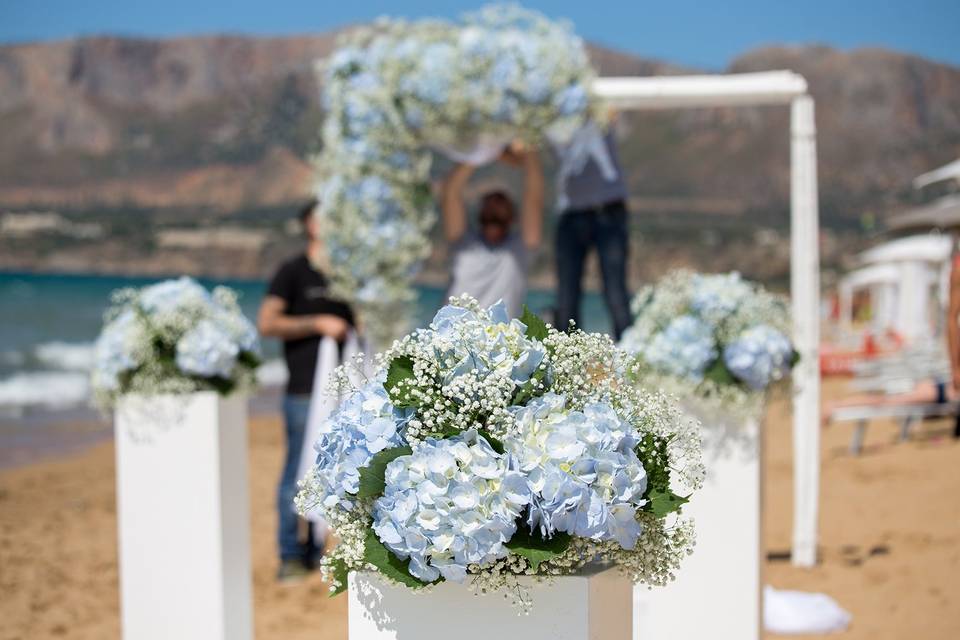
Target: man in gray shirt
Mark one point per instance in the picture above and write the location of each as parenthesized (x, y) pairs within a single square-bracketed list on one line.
[(491, 262), (594, 214)]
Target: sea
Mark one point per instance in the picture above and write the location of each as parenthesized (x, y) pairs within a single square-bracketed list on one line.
[(48, 324)]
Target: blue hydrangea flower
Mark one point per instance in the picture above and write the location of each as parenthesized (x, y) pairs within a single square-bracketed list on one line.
[(584, 475), (452, 503), (364, 424), (207, 350), (760, 355), (572, 100), (537, 87), (345, 60), (113, 352), (684, 348), (169, 295), (486, 343), (716, 296)]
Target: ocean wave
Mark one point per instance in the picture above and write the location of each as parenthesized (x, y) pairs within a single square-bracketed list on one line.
[(70, 386), (66, 356), (54, 389)]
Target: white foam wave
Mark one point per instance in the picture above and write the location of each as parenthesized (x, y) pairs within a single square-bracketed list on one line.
[(272, 373), (67, 356), (55, 389)]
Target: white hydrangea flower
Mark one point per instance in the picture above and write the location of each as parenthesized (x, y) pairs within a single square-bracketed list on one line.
[(451, 504), (584, 475)]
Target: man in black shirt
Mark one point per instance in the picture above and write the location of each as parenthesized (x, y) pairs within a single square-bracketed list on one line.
[(298, 310)]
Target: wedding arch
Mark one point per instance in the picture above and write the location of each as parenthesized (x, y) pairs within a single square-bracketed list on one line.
[(752, 89), (399, 91)]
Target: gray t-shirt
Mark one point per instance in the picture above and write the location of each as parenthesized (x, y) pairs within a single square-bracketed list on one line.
[(490, 272)]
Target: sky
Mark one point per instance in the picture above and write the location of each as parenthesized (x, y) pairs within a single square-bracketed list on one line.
[(706, 33)]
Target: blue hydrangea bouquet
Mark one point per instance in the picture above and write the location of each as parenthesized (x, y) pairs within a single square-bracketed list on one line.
[(174, 337), (398, 91), (714, 338), (484, 449)]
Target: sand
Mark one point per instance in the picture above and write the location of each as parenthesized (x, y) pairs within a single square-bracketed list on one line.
[(890, 539)]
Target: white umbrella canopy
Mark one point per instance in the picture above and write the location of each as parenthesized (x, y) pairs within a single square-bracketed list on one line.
[(949, 171), (919, 248)]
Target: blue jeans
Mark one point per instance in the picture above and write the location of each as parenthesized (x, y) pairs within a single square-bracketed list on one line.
[(579, 231), (295, 410)]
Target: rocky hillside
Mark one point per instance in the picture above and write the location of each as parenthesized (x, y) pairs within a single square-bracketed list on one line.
[(226, 123)]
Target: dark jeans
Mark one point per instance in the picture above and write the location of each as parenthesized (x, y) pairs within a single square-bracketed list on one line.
[(295, 410), (579, 231)]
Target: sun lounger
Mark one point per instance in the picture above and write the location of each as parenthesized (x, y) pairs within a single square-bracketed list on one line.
[(908, 414)]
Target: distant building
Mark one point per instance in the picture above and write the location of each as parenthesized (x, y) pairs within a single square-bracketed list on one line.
[(223, 238), (28, 224)]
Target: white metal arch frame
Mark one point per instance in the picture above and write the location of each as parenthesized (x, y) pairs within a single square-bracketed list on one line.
[(769, 88)]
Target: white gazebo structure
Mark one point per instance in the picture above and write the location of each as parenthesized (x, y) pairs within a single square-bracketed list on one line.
[(726, 575), (907, 279), (769, 88)]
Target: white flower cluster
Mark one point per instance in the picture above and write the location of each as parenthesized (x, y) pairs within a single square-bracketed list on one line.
[(511, 449), (174, 337), (714, 338), (398, 90)]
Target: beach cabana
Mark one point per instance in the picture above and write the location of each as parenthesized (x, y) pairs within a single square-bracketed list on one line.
[(907, 279), (881, 282)]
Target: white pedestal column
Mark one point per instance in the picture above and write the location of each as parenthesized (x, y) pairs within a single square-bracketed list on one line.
[(184, 517), (717, 590), (588, 607)]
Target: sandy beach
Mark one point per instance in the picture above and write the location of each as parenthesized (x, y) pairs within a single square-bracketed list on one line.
[(890, 538)]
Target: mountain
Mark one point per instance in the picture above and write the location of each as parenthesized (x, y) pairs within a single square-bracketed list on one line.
[(225, 124), (226, 121)]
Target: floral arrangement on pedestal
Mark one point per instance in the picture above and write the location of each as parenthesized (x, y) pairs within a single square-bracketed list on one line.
[(174, 337), (484, 449), (397, 91), (714, 338)]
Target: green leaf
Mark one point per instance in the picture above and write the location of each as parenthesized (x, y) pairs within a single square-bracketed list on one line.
[(387, 563), (718, 372), (530, 388), (536, 328), (372, 476), (401, 368), (794, 358), (495, 444), (534, 547), (663, 502), (340, 574)]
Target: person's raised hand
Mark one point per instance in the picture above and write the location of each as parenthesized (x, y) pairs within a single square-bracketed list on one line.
[(332, 326), (515, 153)]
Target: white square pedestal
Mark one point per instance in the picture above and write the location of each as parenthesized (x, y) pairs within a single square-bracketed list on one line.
[(593, 606), (717, 590), (184, 517)]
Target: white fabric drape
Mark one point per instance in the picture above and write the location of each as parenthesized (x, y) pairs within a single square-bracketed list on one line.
[(483, 150), (585, 145), (324, 402)]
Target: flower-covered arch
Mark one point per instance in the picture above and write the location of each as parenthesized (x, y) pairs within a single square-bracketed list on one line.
[(398, 91)]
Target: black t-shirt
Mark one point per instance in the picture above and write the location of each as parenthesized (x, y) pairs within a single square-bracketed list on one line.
[(306, 292)]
